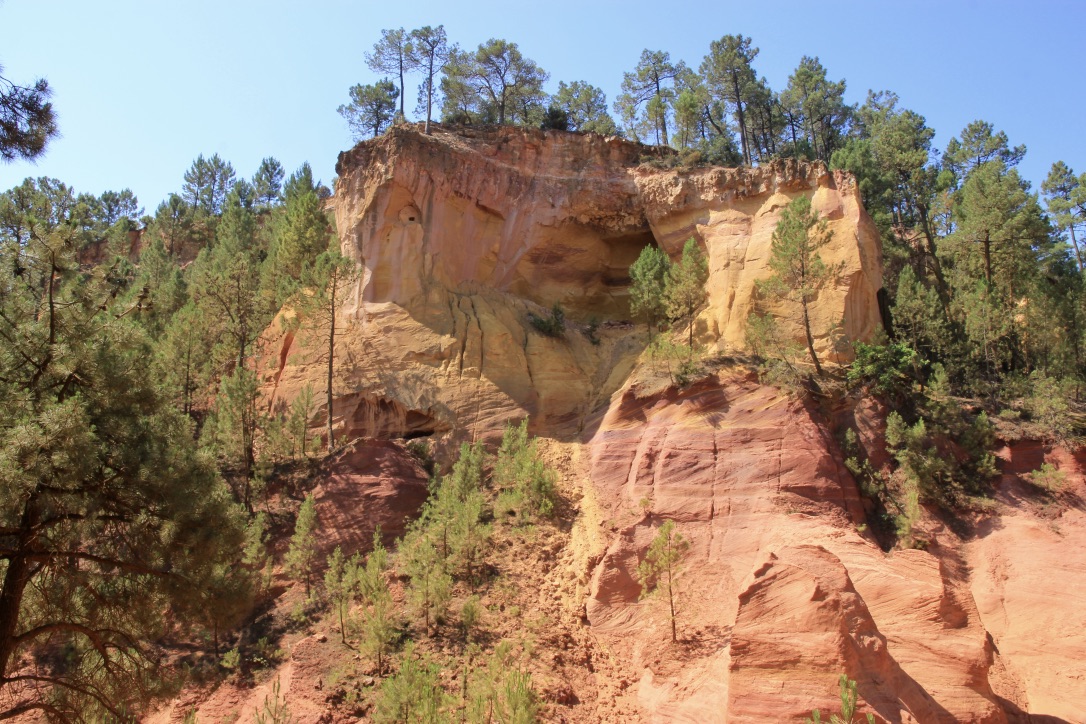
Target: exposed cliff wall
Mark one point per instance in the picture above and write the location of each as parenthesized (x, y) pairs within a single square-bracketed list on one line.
[(461, 236), (558, 218)]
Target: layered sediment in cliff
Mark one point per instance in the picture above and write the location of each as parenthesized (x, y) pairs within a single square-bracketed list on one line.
[(558, 218), (462, 237)]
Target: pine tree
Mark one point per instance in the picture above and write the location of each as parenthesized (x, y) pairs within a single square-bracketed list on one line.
[(268, 183), (379, 626), (1065, 195), (27, 121), (798, 272), (684, 291), (647, 94), (648, 281), (371, 109), (428, 53), (430, 585), (414, 694), (586, 108), (112, 523), (302, 553), (234, 423), (303, 235), (729, 76), (660, 566), (392, 54), (207, 184), (519, 471), (327, 284), (342, 583)]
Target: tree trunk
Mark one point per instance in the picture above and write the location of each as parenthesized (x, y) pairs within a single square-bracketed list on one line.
[(342, 626), (429, 93), (810, 339), (671, 604), (16, 579), (929, 238), (401, 85), (742, 120), (987, 242), (1074, 243)]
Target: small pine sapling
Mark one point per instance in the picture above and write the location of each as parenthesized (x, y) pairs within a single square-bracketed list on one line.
[(658, 569), (302, 554)]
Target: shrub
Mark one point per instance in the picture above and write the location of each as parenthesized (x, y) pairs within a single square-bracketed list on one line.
[(552, 326), (519, 470), (887, 370), (1048, 477)]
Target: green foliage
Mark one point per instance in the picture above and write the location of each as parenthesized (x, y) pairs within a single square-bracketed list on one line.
[(129, 526), (848, 706), (470, 615), (303, 234), (207, 184), (495, 84), (1048, 478), (428, 52), (326, 286), (585, 107), (887, 370), (231, 660), (380, 629), (648, 281), (342, 582), (302, 554), (554, 119), (27, 121), (798, 272), (521, 477), (945, 454), (733, 84), (672, 354), (816, 109), (657, 571), (274, 709), (268, 183), (553, 325), (1047, 405), (231, 428), (780, 355), (391, 54), (413, 694), (371, 578), (371, 109), (430, 584), (684, 291), (647, 93), (500, 691)]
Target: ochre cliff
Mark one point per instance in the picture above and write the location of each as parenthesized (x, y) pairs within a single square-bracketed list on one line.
[(559, 218), (461, 236)]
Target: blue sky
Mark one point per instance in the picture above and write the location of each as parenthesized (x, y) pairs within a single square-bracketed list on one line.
[(144, 86)]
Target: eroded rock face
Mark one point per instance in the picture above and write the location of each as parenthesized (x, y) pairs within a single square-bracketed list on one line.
[(463, 237), (560, 217), (1028, 577), (781, 591)]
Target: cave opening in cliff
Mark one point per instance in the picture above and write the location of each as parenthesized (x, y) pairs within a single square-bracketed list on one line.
[(624, 250)]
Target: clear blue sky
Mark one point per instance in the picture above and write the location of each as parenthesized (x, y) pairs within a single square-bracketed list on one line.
[(143, 86)]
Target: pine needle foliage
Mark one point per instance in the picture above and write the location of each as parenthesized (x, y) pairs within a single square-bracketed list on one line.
[(658, 569)]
